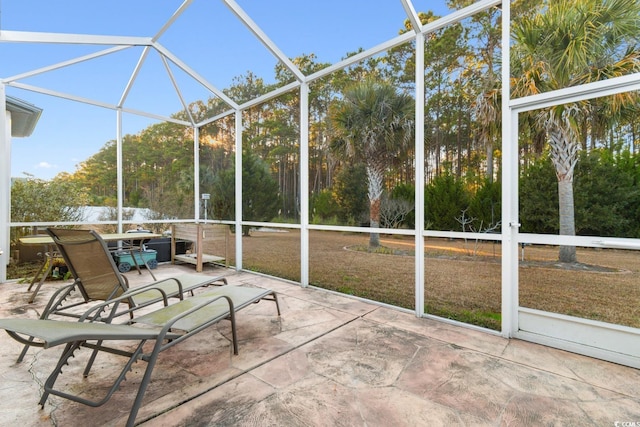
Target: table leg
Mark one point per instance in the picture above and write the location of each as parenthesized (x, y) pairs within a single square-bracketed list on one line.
[(132, 250), (135, 261), (48, 259), (44, 263), (144, 262)]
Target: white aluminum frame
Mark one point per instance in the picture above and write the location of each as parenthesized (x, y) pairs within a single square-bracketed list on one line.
[(512, 314), (302, 83), (5, 183), (607, 341)]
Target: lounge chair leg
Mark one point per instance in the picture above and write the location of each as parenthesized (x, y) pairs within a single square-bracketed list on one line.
[(23, 353), (92, 359), (234, 334), (146, 379), (66, 354), (275, 298), (55, 301)]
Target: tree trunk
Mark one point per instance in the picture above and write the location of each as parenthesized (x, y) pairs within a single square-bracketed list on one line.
[(567, 220), (375, 174), (489, 147), (374, 238), (564, 155)]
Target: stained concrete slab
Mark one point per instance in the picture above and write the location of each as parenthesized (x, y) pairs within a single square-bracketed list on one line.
[(328, 360)]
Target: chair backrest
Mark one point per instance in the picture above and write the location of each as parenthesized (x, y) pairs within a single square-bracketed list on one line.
[(90, 263)]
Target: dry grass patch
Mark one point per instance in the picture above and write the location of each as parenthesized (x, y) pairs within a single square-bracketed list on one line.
[(462, 278)]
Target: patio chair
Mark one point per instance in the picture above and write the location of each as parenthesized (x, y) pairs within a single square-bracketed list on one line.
[(164, 328), (97, 278)]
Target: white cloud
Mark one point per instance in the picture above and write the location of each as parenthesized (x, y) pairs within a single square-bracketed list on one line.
[(45, 165)]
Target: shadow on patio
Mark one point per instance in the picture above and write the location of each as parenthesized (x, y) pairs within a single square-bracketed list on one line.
[(329, 360)]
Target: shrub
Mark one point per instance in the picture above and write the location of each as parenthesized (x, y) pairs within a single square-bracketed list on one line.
[(323, 206), (444, 198)]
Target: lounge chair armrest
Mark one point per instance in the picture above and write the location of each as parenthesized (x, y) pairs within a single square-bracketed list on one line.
[(57, 298), (196, 324), (169, 324), (155, 284), (124, 278), (90, 314)]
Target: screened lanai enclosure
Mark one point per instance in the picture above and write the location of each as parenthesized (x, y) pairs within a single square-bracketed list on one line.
[(373, 149)]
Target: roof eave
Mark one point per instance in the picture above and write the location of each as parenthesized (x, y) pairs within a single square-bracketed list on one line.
[(24, 117)]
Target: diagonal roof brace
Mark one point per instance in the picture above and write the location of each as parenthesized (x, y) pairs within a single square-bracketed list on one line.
[(177, 89), (133, 76), (184, 67), (253, 27), (459, 15), (416, 24), (35, 37), (173, 18), (95, 103), (64, 64)]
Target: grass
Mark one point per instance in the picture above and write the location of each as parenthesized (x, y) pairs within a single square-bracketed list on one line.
[(23, 271), (382, 250), (490, 320), (462, 279)]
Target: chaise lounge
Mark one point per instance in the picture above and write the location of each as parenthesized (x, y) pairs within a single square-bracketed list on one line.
[(164, 327), (97, 278)]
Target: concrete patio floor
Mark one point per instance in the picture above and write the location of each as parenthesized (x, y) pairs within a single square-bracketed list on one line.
[(329, 360)]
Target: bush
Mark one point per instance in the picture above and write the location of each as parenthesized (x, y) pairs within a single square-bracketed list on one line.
[(260, 198), (38, 200), (444, 198), (323, 207), (406, 192), (606, 196), (393, 212), (485, 206), (350, 193), (539, 198)]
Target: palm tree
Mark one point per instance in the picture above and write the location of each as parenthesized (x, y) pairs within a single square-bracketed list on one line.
[(570, 43), (373, 123)]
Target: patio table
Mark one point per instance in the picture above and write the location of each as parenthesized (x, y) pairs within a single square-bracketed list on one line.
[(50, 253)]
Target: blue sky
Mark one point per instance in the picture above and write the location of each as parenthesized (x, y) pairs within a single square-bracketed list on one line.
[(207, 37)]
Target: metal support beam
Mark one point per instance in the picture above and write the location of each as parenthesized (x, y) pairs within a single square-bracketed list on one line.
[(419, 174), (119, 163), (177, 89), (412, 15), (266, 41), (238, 190), (194, 75), (64, 64), (173, 19), (40, 37), (304, 184), (134, 75), (196, 173), (5, 182), (62, 95), (509, 190)]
